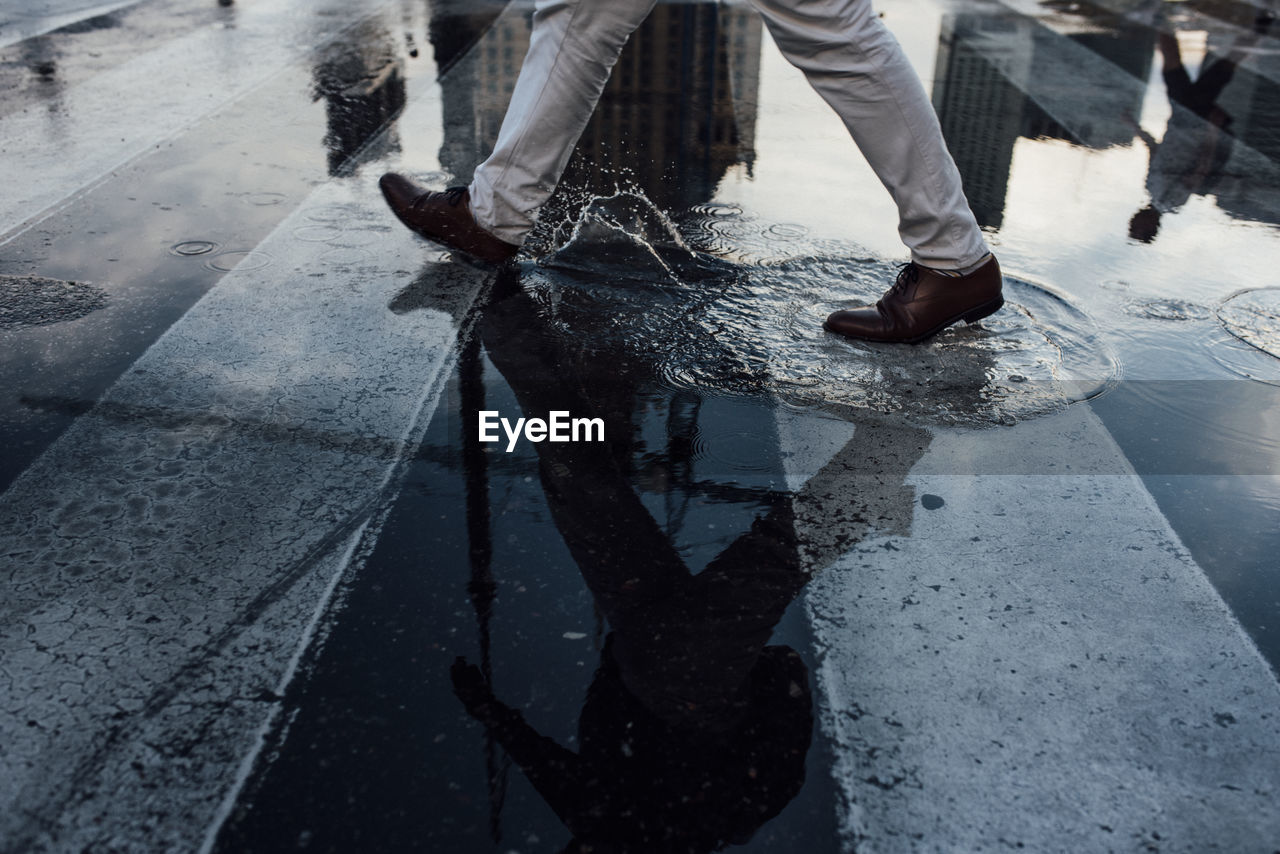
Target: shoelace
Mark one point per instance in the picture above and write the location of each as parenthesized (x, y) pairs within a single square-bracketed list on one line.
[(453, 196), (908, 273)]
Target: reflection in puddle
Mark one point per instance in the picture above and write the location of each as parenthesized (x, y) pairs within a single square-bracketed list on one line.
[(362, 86), (695, 729)]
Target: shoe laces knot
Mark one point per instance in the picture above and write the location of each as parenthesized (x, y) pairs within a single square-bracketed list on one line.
[(453, 196), (908, 274)]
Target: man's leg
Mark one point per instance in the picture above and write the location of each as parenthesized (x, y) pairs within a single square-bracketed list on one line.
[(857, 66), (572, 49), (574, 46)]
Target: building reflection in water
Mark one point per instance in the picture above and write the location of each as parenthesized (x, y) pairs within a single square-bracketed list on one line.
[(988, 63), (679, 109), (362, 85), (985, 65)]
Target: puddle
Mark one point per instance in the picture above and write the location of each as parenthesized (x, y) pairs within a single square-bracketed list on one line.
[(738, 323), (1254, 318), (786, 231), (27, 301), (361, 236)]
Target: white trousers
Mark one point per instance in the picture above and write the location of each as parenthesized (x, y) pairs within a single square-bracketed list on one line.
[(846, 53)]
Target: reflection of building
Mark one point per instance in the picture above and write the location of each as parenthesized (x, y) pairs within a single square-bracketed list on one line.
[(671, 113), (996, 73), (678, 111), (498, 60), (980, 110), (360, 81)]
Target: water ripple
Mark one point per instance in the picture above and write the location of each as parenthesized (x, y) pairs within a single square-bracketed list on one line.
[(1254, 317)]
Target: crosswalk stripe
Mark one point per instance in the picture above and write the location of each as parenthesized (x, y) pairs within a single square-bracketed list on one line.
[(1036, 661), (166, 558)]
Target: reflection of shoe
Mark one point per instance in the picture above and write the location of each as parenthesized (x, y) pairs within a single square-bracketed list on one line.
[(921, 303), (1262, 22), (443, 217)]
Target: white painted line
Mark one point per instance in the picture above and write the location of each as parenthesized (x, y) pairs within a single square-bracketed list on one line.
[(1035, 663), (165, 561), (53, 154), (268, 722)]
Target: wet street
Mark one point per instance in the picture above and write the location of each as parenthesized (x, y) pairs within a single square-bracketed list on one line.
[(268, 582)]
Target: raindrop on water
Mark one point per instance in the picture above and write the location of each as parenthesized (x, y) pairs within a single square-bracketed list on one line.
[(193, 247), (243, 260)]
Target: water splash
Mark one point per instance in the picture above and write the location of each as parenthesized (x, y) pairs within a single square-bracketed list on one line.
[(625, 235)]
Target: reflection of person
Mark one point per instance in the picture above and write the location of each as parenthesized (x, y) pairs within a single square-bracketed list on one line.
[(695, 730), (638, 784), (849, 58), (1196, 144)]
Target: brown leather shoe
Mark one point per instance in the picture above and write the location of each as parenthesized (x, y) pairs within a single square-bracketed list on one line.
[(443, 217), (922, 303)]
